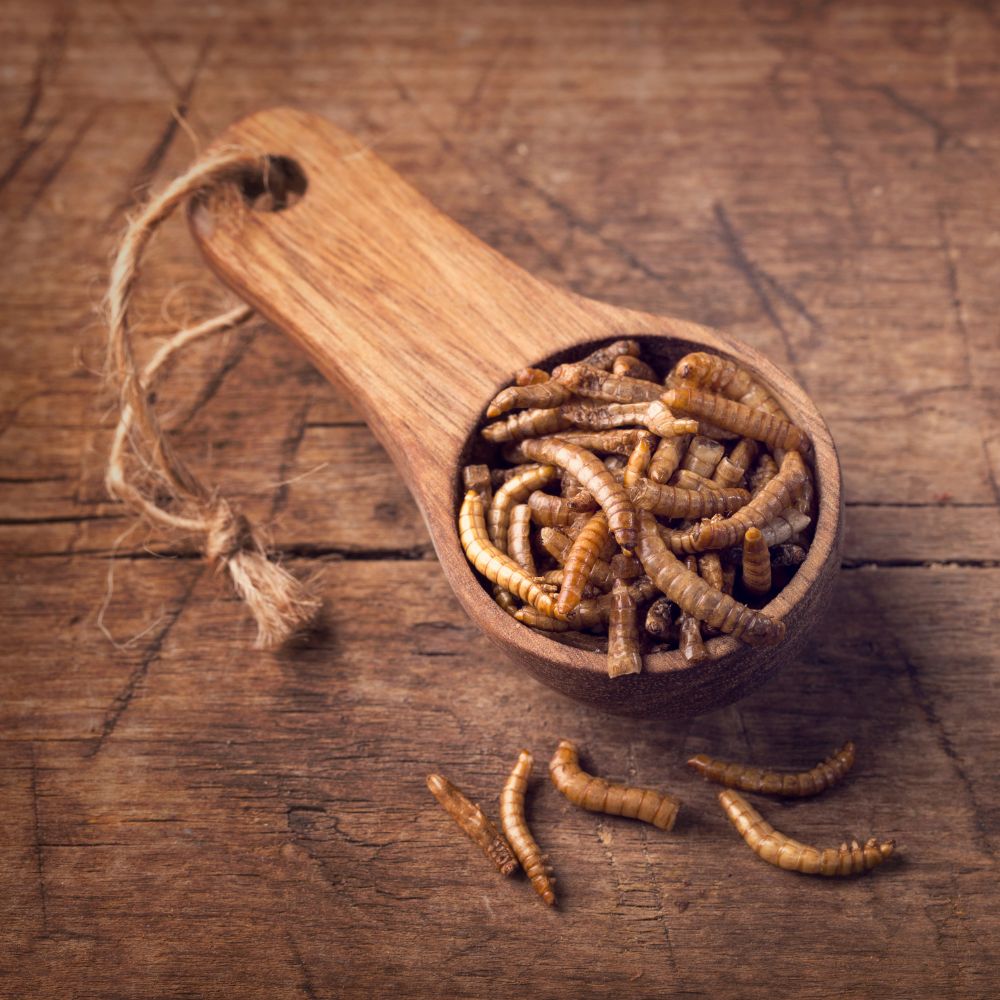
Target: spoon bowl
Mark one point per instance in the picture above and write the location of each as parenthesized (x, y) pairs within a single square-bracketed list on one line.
[(422, 324)]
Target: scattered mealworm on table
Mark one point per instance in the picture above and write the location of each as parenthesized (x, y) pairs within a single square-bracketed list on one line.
[(515, 826), (597, 795), (732, 774), (783, 852), (479, 827)]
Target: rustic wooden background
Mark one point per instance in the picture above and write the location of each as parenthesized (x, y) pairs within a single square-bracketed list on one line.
[(182, 816)]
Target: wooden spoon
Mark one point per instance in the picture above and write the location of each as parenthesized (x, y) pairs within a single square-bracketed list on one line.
[(421, 323)]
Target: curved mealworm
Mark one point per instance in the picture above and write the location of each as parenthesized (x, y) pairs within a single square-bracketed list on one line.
[(605, 416), (660, 617), (506, 600), (687, 479), (597, 795), (627, 364), (764, 471), (500, 476), (550, 511), (667, 458), (593, 476), (756, 563), (530, 376), (519, 538), (624, 656), (536, 619), (517, 489), (732, 468), (638, 461), (673, 501), (763, 508), (604, 357), (516, 828), (692, 594), (586, 380), (543, 395), (662, 421), (782, 851), (592, 612), (825, 774), (732, 416), (703, 456), (619, 442), (477, 825), (492, 563), (477, 477), (525, 424), (584, 552), (709, 371), (558, 544)]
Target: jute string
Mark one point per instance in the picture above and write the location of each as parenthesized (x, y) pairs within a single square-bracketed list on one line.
[(144, 471)]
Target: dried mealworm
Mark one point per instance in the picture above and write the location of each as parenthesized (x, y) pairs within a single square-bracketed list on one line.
[(474, 822), (787, 555), (673, 501), (732, 468), (687, 479), (660, 617), (583, 501), (777, 849), (530, 376), (586, 380), (568, 486), (593, 476), (703, 456), (500, 476), (667, 458), (542, 395), (638, 461), (662, 421), (756, 563), (624, 656), (515, 827), (477, 477), (710, 569), (519, 538), (627, 364), (732, 416), (689, 639), (580, 560), (709, 371), (516, 490), (595, 611), (620, 442), (506, 600), (763, 508), (604, 357), (692, 594), (805, 503), (558, 544), (597, 795), (525, 424), (825, 774), (550, 511), (605, 416), (536, 619), (765, 470), (491, 562), (786, 525)]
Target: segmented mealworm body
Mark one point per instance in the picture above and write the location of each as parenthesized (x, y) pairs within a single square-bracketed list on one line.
[(667, 457), (583, 501), (500, 476), (673, 501), (543, 395), (580, 560), (530, 376), (732, 468), (692, 594), (534, 618), (586, 380), (506, 600), (732, 416), (624, 656), (605, 416), (517, 489), (597, 795), (765, 470), (519, 538), (558, 545), (604, 357), (474, 822), (593, 476), (661, 420), (492, 563), (777, 849), (703, 456), (638, 461), (660, 617), (763, 508), (595, 611), (551, 511), (516, 828), (756, 563), (709, 371), (619, 442), (710, 569), (525, 424), (626, 364), (825, 774), (686, 479), (477, 477), (689, 640)]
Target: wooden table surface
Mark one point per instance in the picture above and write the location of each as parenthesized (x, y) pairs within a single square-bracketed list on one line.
[(182, 816)]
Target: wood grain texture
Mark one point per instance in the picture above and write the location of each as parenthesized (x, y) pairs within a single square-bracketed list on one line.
[(187, 817)]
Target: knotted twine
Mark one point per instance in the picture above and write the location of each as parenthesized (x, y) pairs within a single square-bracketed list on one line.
[(144, 471)]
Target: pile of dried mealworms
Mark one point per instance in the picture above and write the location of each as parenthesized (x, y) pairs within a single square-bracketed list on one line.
[(516, 846), (616, 496)]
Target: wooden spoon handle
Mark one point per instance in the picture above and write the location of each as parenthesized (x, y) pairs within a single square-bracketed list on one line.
[(416, 318)]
